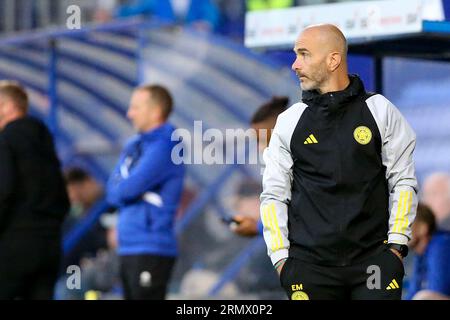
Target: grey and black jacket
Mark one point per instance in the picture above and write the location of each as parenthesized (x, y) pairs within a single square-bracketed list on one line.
[(339, 179)]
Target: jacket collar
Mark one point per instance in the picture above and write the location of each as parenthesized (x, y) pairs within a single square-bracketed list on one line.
[(162, 130), (333, 101)]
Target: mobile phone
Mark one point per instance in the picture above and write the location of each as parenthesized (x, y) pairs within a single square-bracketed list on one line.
[(229, 220)]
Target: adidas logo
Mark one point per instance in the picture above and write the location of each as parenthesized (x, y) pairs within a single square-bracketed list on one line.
[(311, 139), (393, 285)]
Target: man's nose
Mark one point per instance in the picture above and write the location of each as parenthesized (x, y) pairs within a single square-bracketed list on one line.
[(296, 65)]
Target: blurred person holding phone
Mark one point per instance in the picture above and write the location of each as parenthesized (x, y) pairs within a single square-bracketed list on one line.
[(246, 223)]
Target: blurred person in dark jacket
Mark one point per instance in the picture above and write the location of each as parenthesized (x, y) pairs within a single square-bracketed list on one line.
[(33, 201)]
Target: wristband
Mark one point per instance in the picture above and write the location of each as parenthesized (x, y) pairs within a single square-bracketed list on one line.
[(280, 262)]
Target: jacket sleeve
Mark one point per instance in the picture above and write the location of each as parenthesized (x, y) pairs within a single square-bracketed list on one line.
[(438, 256), (114, 179), (6, 180), (276, 194), (149, 171), (397, 155)]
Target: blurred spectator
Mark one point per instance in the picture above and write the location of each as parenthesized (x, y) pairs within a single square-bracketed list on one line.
[(263, 122), (232, 18), (84, 191), (264, 119), (201, 14), (258, 276), (101, 274), (104, 10), (246, 207), (146, 187), (431, 277), (33, 201), (436, 194)]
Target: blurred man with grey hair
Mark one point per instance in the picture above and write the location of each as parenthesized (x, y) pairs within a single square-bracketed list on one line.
[(436, 194)]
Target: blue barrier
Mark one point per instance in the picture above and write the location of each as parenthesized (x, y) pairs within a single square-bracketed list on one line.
[(39, 36), (94, 123), (97, 66), (73, 237), (52, 85), (235, 73)]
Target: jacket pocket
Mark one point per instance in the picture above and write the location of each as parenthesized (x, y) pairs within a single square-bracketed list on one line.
[(148, 220), (397, 259), (284, 271)]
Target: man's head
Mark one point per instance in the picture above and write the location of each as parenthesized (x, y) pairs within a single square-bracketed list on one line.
[(321, 57), (246, 202), (150, 106), (422, 229), (436, 195), (82, 188), (13, 102), (264, 119)]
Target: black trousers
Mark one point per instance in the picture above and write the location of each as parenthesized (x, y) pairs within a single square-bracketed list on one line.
[(145, 277), (29, 267), (379, 277)]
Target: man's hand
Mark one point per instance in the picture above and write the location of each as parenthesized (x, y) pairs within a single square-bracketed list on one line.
[(245, 226), (397, 253)]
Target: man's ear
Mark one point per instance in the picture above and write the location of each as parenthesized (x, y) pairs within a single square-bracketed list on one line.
[(158, 113), (9, 107), (334, 61)]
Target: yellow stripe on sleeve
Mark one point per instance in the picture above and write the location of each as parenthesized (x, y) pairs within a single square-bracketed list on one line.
[(279, 238), (269, 225), (399, 210), (405, 220)]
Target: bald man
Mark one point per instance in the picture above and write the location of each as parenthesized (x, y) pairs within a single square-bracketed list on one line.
[(436, 194), (339, 187)]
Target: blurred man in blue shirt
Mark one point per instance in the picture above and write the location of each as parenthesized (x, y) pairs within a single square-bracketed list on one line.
[(431, 242), (146, 186), (201, 14)]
